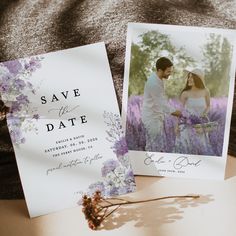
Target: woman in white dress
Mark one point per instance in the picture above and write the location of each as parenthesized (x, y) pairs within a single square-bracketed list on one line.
[(195, 99)]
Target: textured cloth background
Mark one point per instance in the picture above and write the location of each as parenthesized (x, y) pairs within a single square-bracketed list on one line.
[(29, 27)]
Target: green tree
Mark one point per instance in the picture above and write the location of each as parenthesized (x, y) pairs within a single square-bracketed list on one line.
[(138, 71), (217, 54)]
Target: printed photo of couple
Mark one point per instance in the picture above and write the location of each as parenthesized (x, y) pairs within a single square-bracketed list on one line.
[(178, 91)]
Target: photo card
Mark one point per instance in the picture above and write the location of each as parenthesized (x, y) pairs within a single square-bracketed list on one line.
[(177, 99)]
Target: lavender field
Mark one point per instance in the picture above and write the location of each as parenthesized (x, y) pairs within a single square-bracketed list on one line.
[(136, 135)]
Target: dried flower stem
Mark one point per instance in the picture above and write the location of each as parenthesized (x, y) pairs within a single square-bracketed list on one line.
[(96, 212), (148, 200)]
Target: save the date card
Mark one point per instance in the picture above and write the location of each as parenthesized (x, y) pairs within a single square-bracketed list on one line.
[(65, 127)]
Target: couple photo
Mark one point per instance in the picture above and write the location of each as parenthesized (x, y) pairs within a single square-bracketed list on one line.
[(194, 105), (178, 92)]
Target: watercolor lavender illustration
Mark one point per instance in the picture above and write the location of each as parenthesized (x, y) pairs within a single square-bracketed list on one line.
[(117, 175), (136, 135), (15, 87)]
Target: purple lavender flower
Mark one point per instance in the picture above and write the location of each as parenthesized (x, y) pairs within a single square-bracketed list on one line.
[(11, 85), (193, 119), (15, 107), (22, 99), (136, 134), (14, 67), (124, 161), (169, 133), (109, 166), (16, 135), (29, 85), (33, 64), (120, 147), (98, 186), (13, 120), (5, 84), (135, 131), (112, 191), (19, 84), (129, 177)]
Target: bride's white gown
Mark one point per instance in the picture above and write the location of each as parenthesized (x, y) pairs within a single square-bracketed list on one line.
[(188, 141)]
